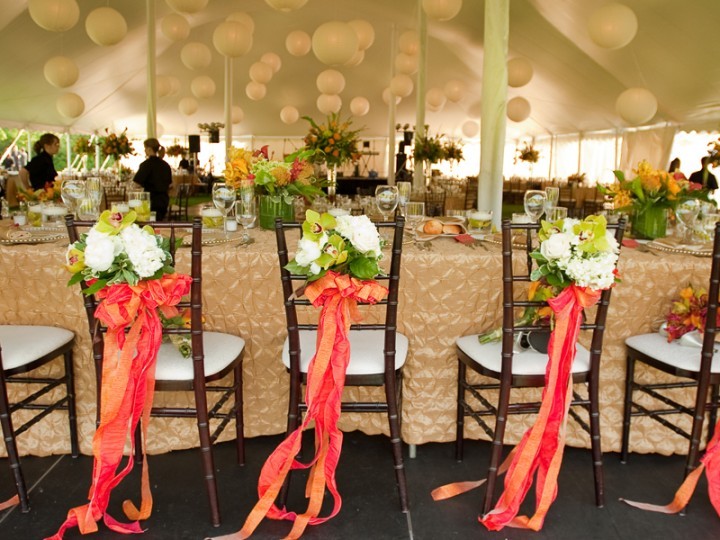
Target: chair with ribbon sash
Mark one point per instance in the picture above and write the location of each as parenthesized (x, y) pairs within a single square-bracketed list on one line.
[(190, 361), (520, 358), (692, 367), (24, 349), (377, 350)]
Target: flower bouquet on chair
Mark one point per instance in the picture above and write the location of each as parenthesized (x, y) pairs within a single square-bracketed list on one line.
[(129, 269)]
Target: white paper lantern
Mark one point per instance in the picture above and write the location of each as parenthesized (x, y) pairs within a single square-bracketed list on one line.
[(470, 128), (162, 86), (298, 43), (406, 63), (272, 60), (61, 71), (105, 26), (365, 33), (455, 90), (70, 105), (328, 103), (519, 72), (435, 99), (387, 96), (196, 55), (286, 5), (475, 110), (636, 105), (187, 6), (401, 85), (260, 72), (334, 43), (289, 114), (330, 81), (175, 27), (203, 87), (359, 106), (174, 85), (612, 26), (442, 10), (54, 15), (518, 109), (244, 19), (237, 114), (232, 38), (356, 59), (188, 106), (409, 43), (255, 90)]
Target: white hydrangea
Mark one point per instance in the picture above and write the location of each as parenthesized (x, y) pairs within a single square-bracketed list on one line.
[(308, 251), (142, 248), (101, 250), (595, 272), (361, 233)]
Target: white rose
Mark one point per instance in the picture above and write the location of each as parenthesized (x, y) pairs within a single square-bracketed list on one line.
[(558, 246), (361, 232), (142, 248), (308, 250), (100, 250)]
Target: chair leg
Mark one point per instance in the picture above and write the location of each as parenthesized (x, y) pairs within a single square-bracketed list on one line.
[(292, 424), (138, 443), (460, 420), (70, 389), (596, 442), (206, 453), (714, 395), (396, 439), (11, 446), (627, 408), (239, 422), (497, 444), (701, 400)]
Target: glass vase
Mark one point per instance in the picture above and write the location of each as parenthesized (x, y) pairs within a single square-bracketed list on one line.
[(271, 208), (331, 183), (650, 223)]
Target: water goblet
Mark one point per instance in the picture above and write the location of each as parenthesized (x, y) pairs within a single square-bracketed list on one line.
[(687, 212), (552, 194), (404, 189), (386, 200), (72, 191), (534, 204), (414, 214), (223, 197), (246, 214)]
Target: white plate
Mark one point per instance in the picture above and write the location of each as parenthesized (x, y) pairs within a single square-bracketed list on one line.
[(35, 237)]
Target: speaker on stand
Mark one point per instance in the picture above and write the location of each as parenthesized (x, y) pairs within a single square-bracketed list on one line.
[(194, 148)]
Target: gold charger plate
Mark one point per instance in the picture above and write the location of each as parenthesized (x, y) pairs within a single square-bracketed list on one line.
[(214, 238), (518, 241), (14, 236), (681, 249)]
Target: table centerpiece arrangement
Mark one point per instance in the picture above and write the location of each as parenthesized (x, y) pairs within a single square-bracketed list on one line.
[(116, 145), (276, 183)]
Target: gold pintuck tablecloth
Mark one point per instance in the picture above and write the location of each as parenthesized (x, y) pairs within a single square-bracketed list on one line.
[(446, 291)]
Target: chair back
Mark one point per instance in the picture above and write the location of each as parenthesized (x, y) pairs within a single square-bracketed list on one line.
[(293, 283), (708, 345), (471, 192), (518, 242), (174, 232), (179, 207), (435, 202)]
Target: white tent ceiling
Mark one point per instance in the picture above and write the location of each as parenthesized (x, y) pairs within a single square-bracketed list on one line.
[(574, 87)]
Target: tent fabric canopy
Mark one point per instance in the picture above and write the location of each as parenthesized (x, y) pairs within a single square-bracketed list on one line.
[(573, 89)]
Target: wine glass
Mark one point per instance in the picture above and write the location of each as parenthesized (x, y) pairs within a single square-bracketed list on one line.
[(414, 214), (404, 189), (552, 194), (687, 212), (245, 214), (534, 204), (386, 200), (223, 197), (72, 191)]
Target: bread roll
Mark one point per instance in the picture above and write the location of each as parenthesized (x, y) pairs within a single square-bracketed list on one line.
[(433, 226), (451, 229)]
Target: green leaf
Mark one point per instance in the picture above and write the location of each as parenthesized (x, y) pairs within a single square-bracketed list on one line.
[(364, 268), (295, 268), (95, 287), (76, 278)]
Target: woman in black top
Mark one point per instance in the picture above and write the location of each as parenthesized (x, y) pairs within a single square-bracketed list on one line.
[(155, 176), (41, 169)]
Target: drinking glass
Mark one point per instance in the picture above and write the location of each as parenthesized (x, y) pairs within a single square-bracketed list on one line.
[(480, 221), (557, 213), (223, 197), (414, 214), (139, 201), (386, 200), (552, 194), (245, 214), (687, 212), (94, 189), (404, 189), (534, 204), (212, 218), (72, 191)]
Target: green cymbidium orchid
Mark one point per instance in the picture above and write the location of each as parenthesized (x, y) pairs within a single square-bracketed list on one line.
[(113, 223)]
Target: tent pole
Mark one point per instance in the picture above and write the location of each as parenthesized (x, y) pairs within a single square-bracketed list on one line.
[(494, 96), (228, 106), (151, 90), (391, 112), (68, 156), (419, 179)]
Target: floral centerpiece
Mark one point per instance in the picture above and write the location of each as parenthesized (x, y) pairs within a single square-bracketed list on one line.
[(129, 269), (527, 154), (714, 153), (116, 145), (340, 258), (428, 148), (452, 151), (212, 129), (82, 145), (688, 313), (175, 150), (277, 183), (576, 178), (649, 195), (51, 192)]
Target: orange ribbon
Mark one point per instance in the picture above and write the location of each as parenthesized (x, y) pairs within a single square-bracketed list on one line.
[(338, 295), (12, 501), (541, 448), (128, 382)]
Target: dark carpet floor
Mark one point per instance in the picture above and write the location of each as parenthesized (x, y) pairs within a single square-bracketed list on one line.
[(370, 503)]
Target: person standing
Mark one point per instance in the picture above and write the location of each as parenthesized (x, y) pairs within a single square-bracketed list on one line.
[(155, 176), (704, 176), (41, 169)]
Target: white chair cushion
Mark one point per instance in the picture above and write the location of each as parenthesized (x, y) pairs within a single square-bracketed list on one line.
[(528, 362), (219, 349), (672, 354), (366, 351), (22, 345)]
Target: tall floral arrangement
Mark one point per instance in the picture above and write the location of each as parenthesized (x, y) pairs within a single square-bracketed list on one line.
[(452, 151), (429, 148), (82, 145), (176, 150), (333, 142), (278, 179), (527, 154), (116, 145), (714, 153)]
